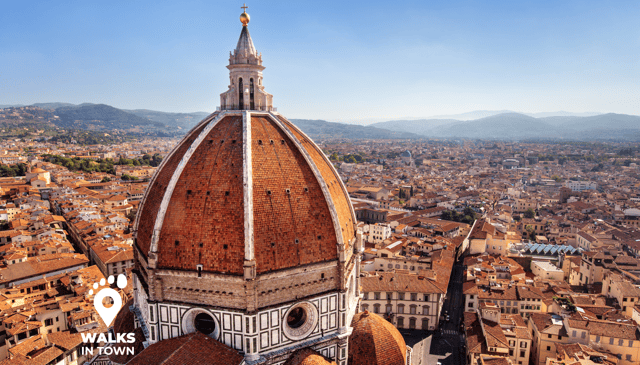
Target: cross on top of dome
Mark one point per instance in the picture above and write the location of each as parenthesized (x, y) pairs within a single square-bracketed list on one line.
[(244, 17)]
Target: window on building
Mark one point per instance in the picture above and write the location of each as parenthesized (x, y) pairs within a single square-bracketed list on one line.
[(583, 335), (400, 322), (414, 296), (548, 348), (388, 308), (412, 323), (426, 297), (425, 310), (400, 296), (573, 334), (412, 309), (366, 296), (376, 296), (628, 357), (470, 304), (389, 295), (48, 321), (376, 308), (365, 307), (620, 342), (523, 353), (400, 308), (630, 343)]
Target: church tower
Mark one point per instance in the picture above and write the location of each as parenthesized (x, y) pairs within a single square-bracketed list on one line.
[(246, 234), (246, 91)]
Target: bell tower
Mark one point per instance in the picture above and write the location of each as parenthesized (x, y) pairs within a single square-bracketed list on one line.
[(246, 91)]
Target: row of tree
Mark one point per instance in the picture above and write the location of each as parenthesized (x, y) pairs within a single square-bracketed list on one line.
[(102, 165), (13, 170), (467, 216)]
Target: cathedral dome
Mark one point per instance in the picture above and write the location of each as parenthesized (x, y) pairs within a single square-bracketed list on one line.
[(307, 356), (244, 187), (246, 235), (375, 341)]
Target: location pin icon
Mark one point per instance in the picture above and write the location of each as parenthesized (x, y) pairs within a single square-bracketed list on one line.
[(107, 314)]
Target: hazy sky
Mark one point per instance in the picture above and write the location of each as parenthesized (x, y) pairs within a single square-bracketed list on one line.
[(334, 60)]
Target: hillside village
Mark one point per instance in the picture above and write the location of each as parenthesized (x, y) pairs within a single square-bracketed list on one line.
[(512, 253)]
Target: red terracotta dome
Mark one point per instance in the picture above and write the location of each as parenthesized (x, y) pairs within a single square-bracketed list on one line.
[(244, 186), (374, 341), (308, 356)]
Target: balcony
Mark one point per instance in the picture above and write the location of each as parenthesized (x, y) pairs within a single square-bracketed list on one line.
[(258, 109)]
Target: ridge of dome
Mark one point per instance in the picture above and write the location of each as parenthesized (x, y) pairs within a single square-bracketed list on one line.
[(187, 187)]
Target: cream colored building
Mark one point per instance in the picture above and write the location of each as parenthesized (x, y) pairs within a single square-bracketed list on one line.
[(627, 294), (491, 334), (406, 300), (546, 270), (547, 331)]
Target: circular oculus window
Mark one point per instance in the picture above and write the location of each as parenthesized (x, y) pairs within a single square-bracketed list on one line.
[(300, 320), (201, 320)]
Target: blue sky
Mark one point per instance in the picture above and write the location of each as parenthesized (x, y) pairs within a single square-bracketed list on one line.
[(332, 60)]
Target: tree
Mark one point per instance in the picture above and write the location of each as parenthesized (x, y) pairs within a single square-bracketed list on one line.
[(106, 179), (530, 232), (127, 177), (529, 213), (447, 215)]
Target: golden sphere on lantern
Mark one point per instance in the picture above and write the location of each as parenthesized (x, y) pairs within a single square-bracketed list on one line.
[(244, 18)]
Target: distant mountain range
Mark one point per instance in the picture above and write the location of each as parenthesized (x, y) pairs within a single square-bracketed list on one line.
[(105, 118), (101, 117), (320, 129), (515, 126), (500, 126)]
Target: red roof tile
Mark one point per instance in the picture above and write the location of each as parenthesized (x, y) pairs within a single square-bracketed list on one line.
[(374, 341)]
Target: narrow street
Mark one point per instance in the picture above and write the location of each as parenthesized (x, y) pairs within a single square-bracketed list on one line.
[(450, 341)]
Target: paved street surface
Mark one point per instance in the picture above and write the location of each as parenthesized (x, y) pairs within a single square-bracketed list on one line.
[(446, 345)]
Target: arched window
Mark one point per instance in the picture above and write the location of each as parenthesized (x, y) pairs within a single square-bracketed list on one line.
[(425, 310), (400, 322), (253, 105), (376, 308), (388, 309), (400, 308), (240, 94), (412, 323)]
